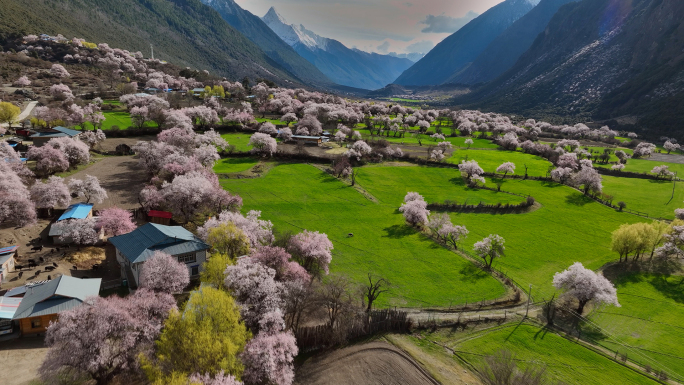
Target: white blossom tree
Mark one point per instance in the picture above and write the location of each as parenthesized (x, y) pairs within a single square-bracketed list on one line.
[(585, 285)]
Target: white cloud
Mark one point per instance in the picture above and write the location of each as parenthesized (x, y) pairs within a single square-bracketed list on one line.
[(446, 24), (423, 46), (384, 47)]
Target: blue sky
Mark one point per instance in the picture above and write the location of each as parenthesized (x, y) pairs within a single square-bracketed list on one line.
[(377, 25)]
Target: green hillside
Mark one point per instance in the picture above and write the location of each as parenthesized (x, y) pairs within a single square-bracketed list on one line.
[(184, 32)]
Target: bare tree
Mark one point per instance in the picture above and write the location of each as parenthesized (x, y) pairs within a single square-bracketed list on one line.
[(334, 295), (372, 290), (501, 369)]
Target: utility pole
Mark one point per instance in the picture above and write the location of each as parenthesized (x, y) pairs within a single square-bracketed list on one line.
[(529, 296), (152, 49)]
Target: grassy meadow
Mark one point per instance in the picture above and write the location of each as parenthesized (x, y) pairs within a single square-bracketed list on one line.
[(566, 360), (568, 227), (489, 160), (231, 165), (654, 197), (298, 196), (647, 327)]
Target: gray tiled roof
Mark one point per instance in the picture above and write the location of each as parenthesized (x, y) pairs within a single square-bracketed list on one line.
[(62, 293), (139, 244)]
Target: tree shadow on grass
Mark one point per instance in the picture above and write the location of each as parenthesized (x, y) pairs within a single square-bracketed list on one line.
[(399, 231), (326, 178), (672, 288), (546, 183), (577, 199), (659, 181), (471, 273), (636, 271)]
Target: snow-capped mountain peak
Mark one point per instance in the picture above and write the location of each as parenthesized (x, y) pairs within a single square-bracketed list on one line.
[(292, 34)]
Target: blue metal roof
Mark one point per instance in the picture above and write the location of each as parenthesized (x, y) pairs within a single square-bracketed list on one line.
[(49, 135), (16, 291), (142, 242), (305, 137), (77, 211), (52, 297), (67, 131)]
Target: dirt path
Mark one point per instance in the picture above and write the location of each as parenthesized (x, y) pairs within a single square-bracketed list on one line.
[(121, 177), (370, 363), (418, 315), (20, 359)]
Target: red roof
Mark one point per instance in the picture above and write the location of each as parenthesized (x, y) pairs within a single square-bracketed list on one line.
[(160, 214)]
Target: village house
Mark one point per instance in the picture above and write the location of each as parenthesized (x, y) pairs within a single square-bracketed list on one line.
[(7, 258), (134, 248), (43, 136), (43, 302), (75, 211)]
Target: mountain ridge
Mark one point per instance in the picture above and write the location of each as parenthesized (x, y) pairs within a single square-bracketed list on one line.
[(454, 53), (252, 27), (602, 59), (342, 65), (185, 32)]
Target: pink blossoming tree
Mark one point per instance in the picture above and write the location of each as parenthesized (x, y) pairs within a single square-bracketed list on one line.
[(163, 273), (103, 337), (313, 251), (50, 194), (88, 189), (115, 221)]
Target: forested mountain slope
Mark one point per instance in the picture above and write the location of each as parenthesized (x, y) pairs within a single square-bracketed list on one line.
[(457, 51), (185, 32), (604, 59), (507, 48), (258, 32)]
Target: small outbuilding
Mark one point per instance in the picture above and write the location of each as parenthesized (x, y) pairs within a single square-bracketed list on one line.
[(8, 306), (160, 217), (75, 211), (8, 257), (43, 302), (305, 139), (42, 137), (134, 248)]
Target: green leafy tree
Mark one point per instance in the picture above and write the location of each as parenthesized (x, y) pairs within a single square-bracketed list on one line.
[(206, 337), (214, 270), (8, 112), (227, 239)]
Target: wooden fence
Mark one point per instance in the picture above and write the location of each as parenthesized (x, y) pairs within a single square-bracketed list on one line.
[(378, 321)]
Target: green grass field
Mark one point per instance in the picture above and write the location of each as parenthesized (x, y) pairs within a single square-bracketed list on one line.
[(274, 121), (646, 165), (649, 321), (568, 228), (231, 165), (298, 196), (489, 160), (458, 141), (122, 119), (238, 139), (566, 360), (653, 197)]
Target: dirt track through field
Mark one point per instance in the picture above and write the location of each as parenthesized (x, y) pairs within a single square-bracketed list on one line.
[(372, 363), (121, 177)]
